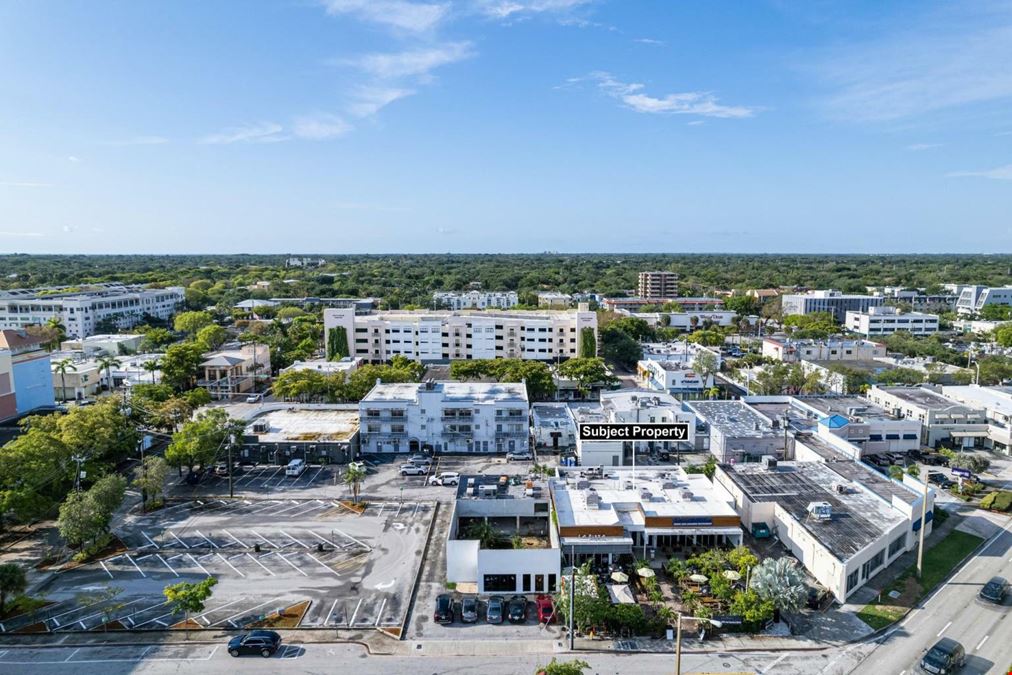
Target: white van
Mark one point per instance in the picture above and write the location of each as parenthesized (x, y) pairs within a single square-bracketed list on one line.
[(295, 467)]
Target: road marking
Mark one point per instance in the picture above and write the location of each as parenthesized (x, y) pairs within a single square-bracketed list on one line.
[(323, 565), (318, 472), (325, 541), (981, 644), (295, 651), (269, 505), (247, 610), (141, 611), (195, 562), (185, 545), (230, 565), (213, 545), (325, 621), (72, 654), (294, 505), (219, 607), (379, 614), (144, 557), (296, 567), (261, 565), (945, 628), (150, 540), (347, 536), (165, 562), (82, 619), (294, 539), (234, 538), (351, 621), (105, 568), (127, 556), (399, 505), (382, 506), (417, 504)]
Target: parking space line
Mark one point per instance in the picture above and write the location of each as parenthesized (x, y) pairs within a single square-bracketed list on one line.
[(140, 611), (348, 536), (230, 565), (323, 564), (269, 543), (379, 614), (269, 505), (351, 621), (294, 539), (101, 612), (382, 506), (150, 541), (213, 545), (72, 654), (236, 540), (945, 628), (330, 613), (295, 651), (296, 567), (249, 609), (127, 556), (294, 505), (185, 545), (268, 479), (325, 541), (318, 472), (105, 568), (165, 562), (266, 569), (222, 606), (981, 643), (417, 504)]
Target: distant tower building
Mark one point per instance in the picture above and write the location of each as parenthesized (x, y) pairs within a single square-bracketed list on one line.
[(658, 285)]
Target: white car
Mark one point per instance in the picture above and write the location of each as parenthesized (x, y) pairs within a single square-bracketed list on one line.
[(254, 398), (445, 478), (519, 456), (413, 470)]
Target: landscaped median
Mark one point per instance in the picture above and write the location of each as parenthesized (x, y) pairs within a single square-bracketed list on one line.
[(939, 561)]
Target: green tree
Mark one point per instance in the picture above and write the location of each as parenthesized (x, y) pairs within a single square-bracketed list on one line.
[(634, 327), (156, 338), (556, 667), (301, 385), (35, 472), (12, 582), (743, 305), (191, 322), (289, 313), (189, 597), (211, 337), (1003, 335), (180, 365), (199, 440), (78, 523), (588, 373), (975, 463), (107, 363), (63, 366), (705, 364), (353, 477), (619, 346), (151, 366), (781, 582), (485, 533), (151, 480)]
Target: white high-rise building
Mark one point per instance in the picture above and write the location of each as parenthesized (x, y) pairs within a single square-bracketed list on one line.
[(475, 300)]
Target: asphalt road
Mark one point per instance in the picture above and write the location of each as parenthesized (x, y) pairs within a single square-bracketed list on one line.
[(954, 611)]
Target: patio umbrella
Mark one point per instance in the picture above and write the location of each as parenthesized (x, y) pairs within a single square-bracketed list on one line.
[(620, 577), (698, 578), (645, 572), (731, 575)]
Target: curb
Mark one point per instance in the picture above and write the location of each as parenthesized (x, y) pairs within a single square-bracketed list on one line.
[(418, 573)]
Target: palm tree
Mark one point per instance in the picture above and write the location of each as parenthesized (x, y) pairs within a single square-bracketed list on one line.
[(484, 532), (106, 363), (152, 366), (58, 331), (62, 367), (353, 476)]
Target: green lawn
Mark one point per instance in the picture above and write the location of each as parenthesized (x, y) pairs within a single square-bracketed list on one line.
[(939, 561)]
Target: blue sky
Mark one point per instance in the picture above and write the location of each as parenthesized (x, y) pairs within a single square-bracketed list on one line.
[(346, 126)]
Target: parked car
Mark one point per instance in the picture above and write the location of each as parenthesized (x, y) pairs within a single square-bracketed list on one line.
[(469, 609), (546, 609), (423, 460), (946, 656), (413, 470), (938, 478), (494, 609), (295, 467), (994, 590), (445, 478), (444, 609), (934, 459), (262, 642), (221, 469), (254, 398), (517, 610), (519, 456)]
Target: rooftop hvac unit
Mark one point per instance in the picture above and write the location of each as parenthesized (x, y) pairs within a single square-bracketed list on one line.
[(488, 491), (686, 495), (261, 427), (769, 462), (856, 410), (582, 484), (646, 495), (841, 488), (821, 511), (593, 500), (668, 485)]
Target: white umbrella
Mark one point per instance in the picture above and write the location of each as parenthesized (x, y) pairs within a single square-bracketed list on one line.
[(645, 572), (620, 577), (731, 575), (698, 578)]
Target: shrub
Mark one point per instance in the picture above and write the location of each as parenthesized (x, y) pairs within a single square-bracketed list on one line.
[(1000, 500)]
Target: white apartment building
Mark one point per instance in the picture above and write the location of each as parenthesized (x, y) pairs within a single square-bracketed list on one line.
[(630, 406), (475, 300), (943, 420), (552, 299), (445, 335), (688, 321), (787, 350), (972, 299), (834, 302), (474, 417), (887, 320), (82, 309), (672, 377)]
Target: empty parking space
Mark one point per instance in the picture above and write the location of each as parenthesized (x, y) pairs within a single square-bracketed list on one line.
[(261, 479)]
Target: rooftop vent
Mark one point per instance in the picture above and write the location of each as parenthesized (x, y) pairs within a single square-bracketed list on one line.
[(769, 462), (593, 500), (686, 495), (820, 511), (261, 427), (668, 485), (582, 484), (842, 488)]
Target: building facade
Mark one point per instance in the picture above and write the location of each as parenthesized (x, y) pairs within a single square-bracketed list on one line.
[(231, 372), (943, 420), (449, 335), (445, 417), (972, 299), (673, 377), (30, 371), (475, 300), (659, 284), (834, 302), (888, 320), (782, 348)]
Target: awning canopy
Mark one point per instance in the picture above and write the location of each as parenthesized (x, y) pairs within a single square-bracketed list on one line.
[(968, 434)]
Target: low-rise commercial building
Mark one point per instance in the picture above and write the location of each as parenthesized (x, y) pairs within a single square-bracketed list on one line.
[(79, 380), (869, 427), (834, 302), (996, 402), (524, 557), (888, 320), (554, 300), (686, 321), (738, 432), (446, 335), (317, 434), (234, 371), (636, 406), (640, 512), (788, 350), (553, 426), (29, 371), (973, 299), (475, 300), (637, 304), (117, 344), (473, 417), (844, 521), (673, 377), (347, 365), (943, 420)]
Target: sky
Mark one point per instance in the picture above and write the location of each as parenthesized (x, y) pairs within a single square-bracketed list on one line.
[(434, 126)]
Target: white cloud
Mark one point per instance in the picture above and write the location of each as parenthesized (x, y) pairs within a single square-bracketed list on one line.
[(261, 132), (918, 147), (945, 60), (997, 173), (68, 228), (503, 9), (319, 127), (701, 103), (24, 184), (141, 140), (10, 233), (74, 159), (695, 123), (416, 17), (412, 63), (649, 41), (369, 100)]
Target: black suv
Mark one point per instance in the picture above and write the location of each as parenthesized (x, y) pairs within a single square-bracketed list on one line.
[(444, 609), (947, 656), (994, 590), (262, 642), (518, 609)]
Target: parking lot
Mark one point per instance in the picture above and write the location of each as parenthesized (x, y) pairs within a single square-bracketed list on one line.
[(355, 571), (262, 479)]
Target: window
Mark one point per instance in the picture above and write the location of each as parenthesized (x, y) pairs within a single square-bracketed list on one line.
[(527, 583), (873, 564), (501, 583), (552, 583), (897, 545)]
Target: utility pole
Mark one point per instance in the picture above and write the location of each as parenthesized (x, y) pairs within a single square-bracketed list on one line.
[(924, 524), (231, 485), (572, 597), (144, 475), (77, 477)]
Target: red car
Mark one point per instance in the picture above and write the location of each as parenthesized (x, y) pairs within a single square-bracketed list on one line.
[(546, 610)]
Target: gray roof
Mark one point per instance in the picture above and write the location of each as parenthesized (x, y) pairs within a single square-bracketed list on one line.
[(922, 398), (841, 405), (735, 419)]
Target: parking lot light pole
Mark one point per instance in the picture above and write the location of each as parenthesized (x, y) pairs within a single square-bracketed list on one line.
[(924, 514), (231, 485), (678, 638)]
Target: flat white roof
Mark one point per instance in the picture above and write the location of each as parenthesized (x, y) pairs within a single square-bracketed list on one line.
[(303, 425), (472, 392), (985, 397)]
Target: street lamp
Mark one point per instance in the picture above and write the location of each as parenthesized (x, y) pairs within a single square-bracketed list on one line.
[(678, 637)]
